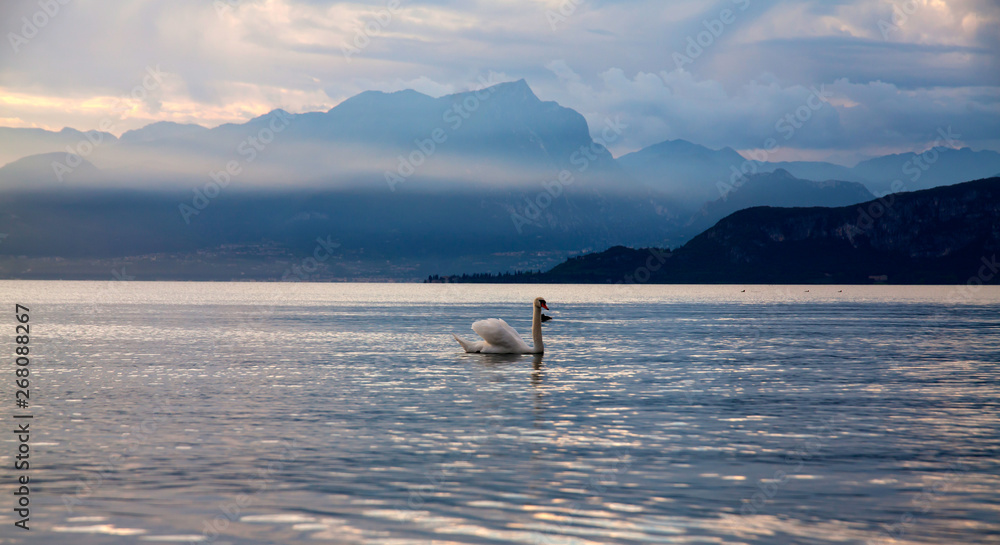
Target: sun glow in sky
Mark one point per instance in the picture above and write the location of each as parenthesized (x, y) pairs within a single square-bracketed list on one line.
[(717, 73)]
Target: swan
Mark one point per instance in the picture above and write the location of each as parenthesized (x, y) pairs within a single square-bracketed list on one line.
[(500, 338)]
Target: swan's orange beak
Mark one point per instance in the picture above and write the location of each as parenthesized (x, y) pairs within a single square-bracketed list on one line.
[(544, 306)]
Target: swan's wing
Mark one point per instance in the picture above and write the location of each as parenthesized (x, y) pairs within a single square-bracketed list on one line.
[(497, 333), (470, 347)]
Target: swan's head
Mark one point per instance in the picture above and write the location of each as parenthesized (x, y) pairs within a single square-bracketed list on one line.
[(540, 303)]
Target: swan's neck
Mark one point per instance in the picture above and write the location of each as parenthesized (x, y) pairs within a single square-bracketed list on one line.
[(536, 330)]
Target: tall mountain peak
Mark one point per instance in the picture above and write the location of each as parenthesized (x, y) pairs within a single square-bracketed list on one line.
[(516, 89)]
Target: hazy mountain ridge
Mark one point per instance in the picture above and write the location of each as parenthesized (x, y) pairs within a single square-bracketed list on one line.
[(934, 167), (555, 206), (19, 143), (502, 135), (778, 188), (162, 130), (947, 234), (19, 175), (696, 173), (688, 171), (494, 179)]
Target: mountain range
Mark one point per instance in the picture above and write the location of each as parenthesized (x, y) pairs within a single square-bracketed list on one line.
[(944, 235), (702, 174), (502, 135), (492, 179)]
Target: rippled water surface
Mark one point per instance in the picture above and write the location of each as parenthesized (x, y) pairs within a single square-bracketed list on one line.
[(345, 413)]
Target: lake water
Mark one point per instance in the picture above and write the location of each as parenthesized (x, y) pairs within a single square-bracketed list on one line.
[(345, 413)]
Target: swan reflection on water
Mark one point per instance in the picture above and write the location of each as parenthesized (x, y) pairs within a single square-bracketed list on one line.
[(496, 361), (502, 360), (536, 377)]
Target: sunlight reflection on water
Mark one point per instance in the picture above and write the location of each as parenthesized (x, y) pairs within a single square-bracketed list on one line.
[(283, 413)]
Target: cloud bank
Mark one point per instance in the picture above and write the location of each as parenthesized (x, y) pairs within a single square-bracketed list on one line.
[(724, 74)]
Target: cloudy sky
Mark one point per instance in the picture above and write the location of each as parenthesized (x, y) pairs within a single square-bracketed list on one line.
[(723, 73)]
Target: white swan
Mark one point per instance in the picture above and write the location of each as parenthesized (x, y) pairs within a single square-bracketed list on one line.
[(500, 338)]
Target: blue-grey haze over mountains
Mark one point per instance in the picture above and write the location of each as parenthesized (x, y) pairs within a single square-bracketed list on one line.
[(407, 184), (500, 135)]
